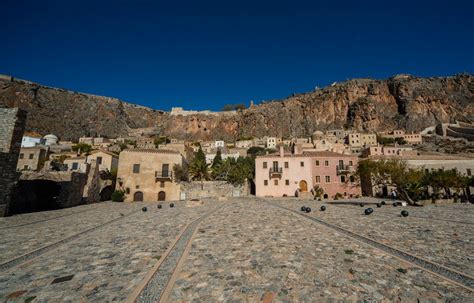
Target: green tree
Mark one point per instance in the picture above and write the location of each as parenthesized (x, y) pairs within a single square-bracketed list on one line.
[(407, 181), (161, 140), (82, 148), (180, 172), (256, 151), (216, 165), (199, 170)]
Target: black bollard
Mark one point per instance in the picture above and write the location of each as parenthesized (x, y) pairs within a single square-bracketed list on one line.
[(159, 206), (395, 204), (404, 213), (144, 209), (379, 205), (308, 209), (384, 203), (361, 205), (368, 211), (171, 205), (323, 208), (303, 208)]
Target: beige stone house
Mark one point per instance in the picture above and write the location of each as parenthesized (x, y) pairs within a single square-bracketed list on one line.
[(105, 159), (147, 174), (32, 158)]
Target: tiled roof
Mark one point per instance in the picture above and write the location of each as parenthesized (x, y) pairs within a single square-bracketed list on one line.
[(151, 150), (327, 154), (421, 157), (32, 135)]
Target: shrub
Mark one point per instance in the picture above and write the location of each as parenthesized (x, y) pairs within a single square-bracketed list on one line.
[(118, 196), (338, 196)]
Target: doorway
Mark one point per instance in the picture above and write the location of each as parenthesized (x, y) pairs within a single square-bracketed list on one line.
[(138, 197), (161, 196), (303, 185)]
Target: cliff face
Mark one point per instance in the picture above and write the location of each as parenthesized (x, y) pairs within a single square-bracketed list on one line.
[(374, 105)]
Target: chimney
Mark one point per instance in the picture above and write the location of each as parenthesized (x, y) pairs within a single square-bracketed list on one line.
[(298, 149), (282, 151)]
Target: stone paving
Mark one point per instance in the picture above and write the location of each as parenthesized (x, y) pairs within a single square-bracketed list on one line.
[(448, 243), (252, 251), (247, 251), (108, 263)]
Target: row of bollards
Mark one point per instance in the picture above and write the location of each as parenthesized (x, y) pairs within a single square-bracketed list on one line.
[(159, 206), (308, 209), (367, 211)]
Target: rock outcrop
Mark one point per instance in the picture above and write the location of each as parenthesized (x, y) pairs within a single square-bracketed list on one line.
[(402, 101)]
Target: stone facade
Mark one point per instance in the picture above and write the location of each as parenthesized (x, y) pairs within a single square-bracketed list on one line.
[(32, 158), (106, 160), (12, 127), (211, 189), (147, 174)]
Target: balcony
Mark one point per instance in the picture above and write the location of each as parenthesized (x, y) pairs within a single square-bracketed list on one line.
[(344, 169), (163, 176), (275, 172)]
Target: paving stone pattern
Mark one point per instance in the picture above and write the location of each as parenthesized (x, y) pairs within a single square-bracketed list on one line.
[(448, 243), (245, 252), (248, 251)]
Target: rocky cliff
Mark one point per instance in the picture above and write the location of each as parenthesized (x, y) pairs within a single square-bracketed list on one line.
[(402, 101)]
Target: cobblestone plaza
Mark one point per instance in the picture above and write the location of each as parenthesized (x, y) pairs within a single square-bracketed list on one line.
[(238, 250)]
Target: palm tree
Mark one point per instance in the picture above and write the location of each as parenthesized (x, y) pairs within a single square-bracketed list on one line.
[(199, 169)]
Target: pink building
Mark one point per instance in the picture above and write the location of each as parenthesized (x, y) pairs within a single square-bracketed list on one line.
[(288, 174)]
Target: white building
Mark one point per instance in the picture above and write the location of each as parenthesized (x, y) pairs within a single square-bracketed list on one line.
[(31, 139), (51, 139), (271, 142), (210, 157), (219, 143)]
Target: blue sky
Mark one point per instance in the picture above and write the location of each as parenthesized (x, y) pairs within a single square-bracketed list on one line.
[(204, 54)]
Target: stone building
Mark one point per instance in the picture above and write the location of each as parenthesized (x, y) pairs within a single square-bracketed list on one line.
[(12, 127), (411, 138), (32, 158), (147, 174), (299, 172), (106, 160)]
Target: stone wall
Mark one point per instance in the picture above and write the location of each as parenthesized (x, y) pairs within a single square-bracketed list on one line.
[(47, 190), (12, 127), (192, 190)]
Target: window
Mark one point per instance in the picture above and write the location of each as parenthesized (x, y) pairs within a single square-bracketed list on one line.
[(328, 179), (343, 179), (317, 162), (326, 163), (318, 179), (264, 164), (265, 182), (99, 160), (162, 184), (25, 167), (302, 164), (21, 156), (275, 165), (165, 170), (75, 165), (275, 182), (286, 165), (287, 182), (31, 156), (136, 168), (468, 171), (350, 163), (352, 178)]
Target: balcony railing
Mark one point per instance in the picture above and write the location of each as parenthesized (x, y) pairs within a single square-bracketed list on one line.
[(275, 172), (343, 169), (163, 175)]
